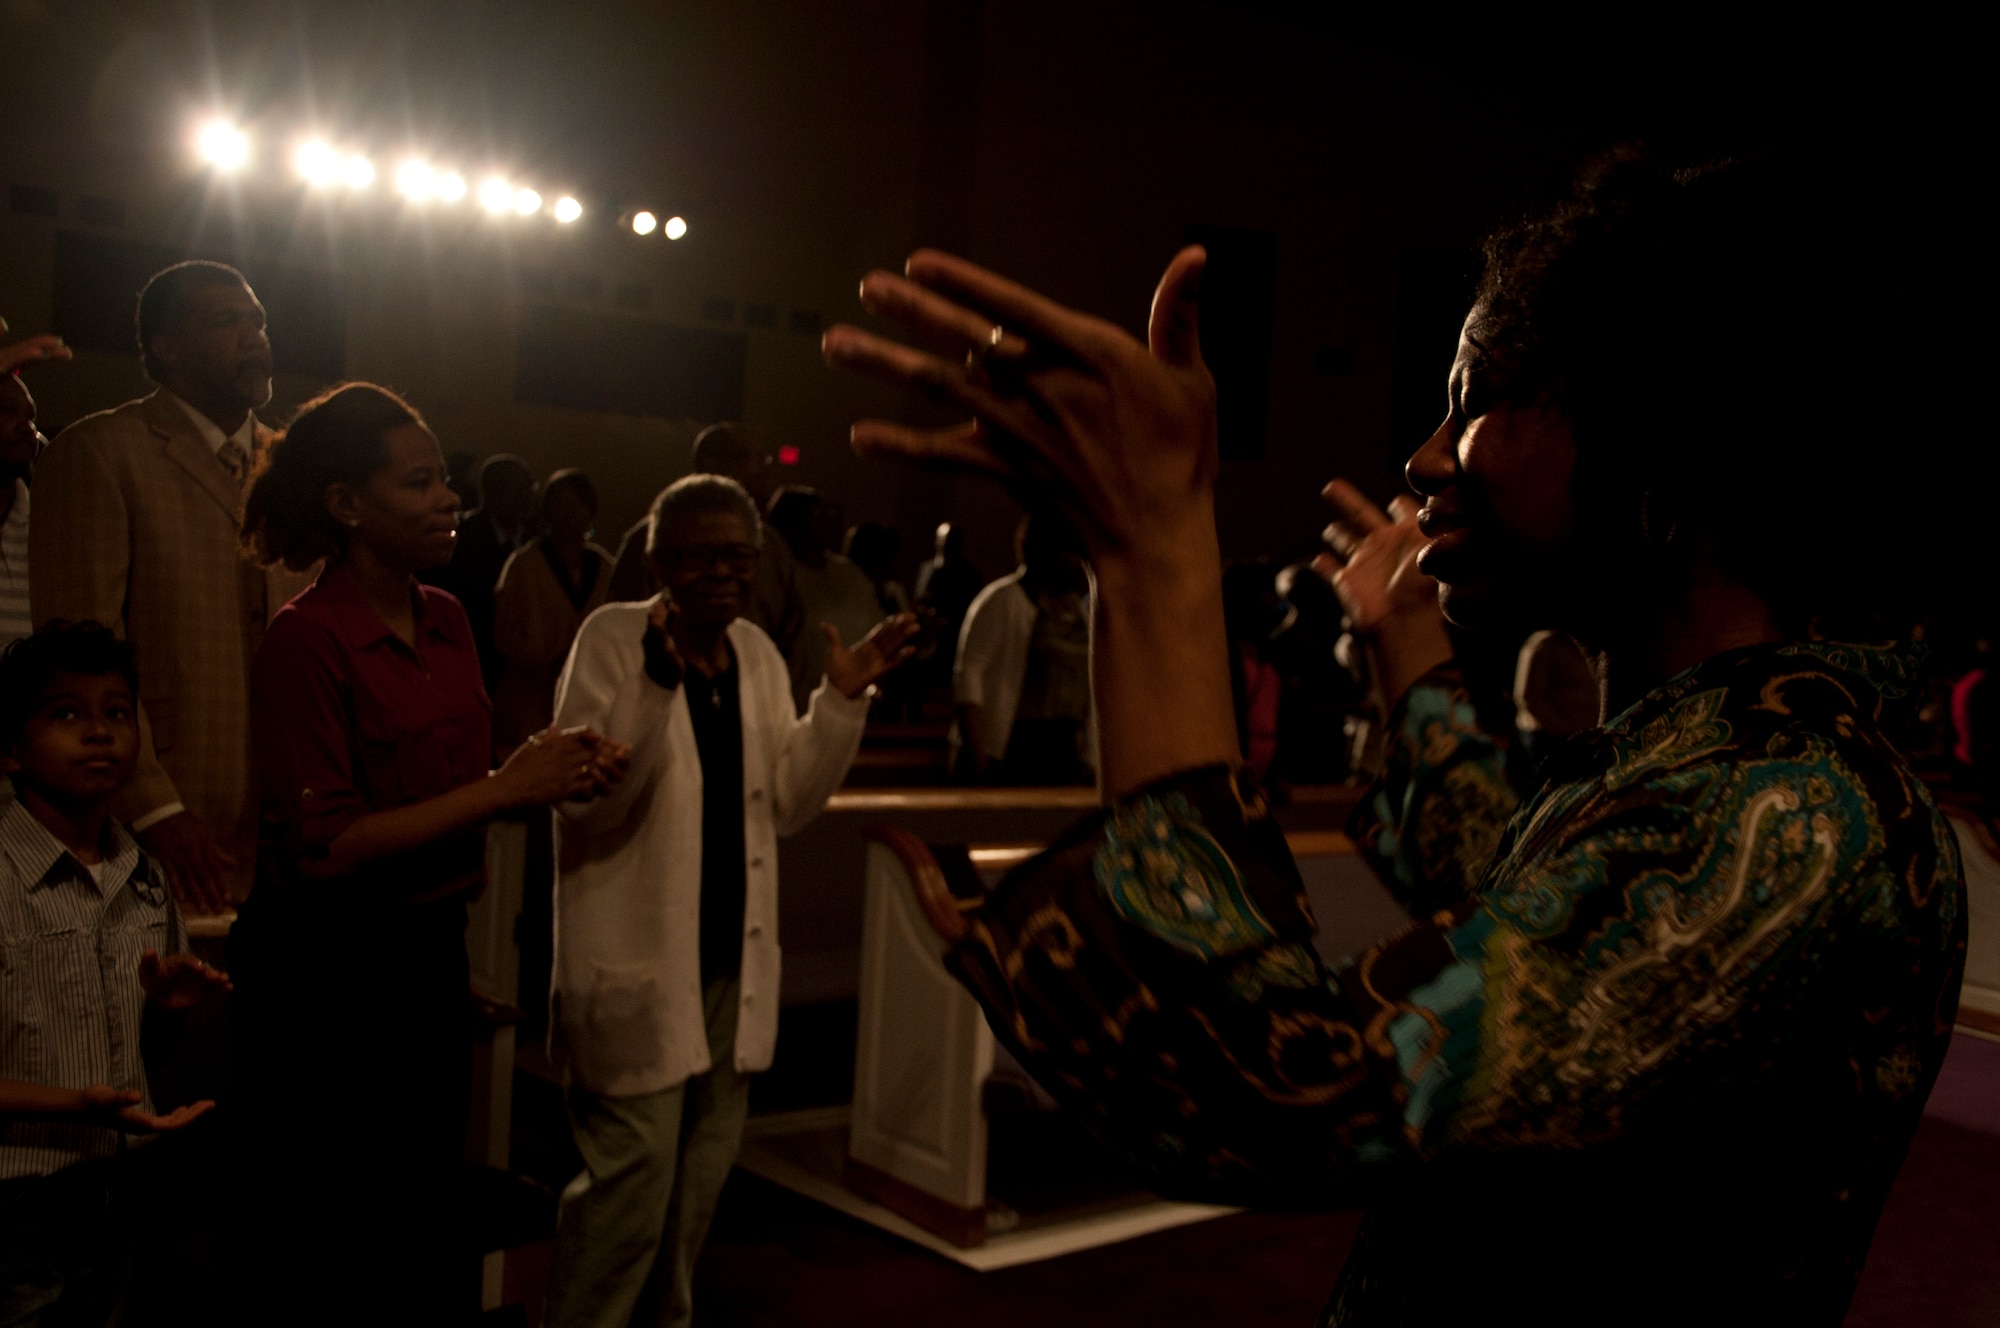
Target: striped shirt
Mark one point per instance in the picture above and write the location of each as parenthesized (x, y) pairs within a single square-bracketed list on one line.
[(70, 1000), (14, 619)]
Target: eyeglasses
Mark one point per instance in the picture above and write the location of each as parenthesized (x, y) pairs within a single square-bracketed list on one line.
[(738, 558)]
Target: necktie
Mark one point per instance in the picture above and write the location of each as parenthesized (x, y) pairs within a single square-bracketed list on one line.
[(234, 460)]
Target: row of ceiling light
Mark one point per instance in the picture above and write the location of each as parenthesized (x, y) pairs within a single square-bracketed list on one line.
[(226, 148)]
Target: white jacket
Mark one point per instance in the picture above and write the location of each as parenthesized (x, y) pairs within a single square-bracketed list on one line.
[(626, 995)]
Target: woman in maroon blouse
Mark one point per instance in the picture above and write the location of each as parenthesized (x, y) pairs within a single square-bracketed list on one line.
[(373, 734)]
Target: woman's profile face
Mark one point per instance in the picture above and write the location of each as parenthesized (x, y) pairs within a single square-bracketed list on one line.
[(409, 515), (1499, 511)]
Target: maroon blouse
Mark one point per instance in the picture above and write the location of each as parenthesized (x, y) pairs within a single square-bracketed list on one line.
[(350, 720)]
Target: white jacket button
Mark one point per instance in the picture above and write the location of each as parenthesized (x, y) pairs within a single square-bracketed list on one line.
[(757, 861), (756, 794), (749, 998), (756, 929)]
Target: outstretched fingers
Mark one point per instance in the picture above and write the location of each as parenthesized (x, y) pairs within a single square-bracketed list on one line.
[(1009, 304), (849, 347), (950, 327), (963, 447)]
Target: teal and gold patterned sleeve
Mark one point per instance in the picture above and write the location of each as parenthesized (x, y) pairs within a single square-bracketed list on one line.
[(1430, 824), (1155, 971), (1662, 938)]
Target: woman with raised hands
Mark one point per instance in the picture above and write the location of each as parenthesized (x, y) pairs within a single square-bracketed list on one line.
[(1662, 1033)]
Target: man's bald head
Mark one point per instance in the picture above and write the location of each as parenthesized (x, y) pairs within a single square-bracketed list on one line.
[(728, 449)]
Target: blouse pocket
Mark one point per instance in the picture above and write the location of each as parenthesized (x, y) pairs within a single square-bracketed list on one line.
[(403, 761)]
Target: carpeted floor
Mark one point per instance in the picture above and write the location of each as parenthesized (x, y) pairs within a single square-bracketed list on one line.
[(777, 1259)]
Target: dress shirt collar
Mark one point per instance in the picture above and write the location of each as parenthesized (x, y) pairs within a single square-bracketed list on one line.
[(355, 618), (39, 859), (245, 436)]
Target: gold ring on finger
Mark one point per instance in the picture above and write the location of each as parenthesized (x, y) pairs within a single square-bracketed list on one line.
[(976, 355)]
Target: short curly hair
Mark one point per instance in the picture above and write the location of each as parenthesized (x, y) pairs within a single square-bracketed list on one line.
[(700, 493), (29, 664), (339, 437), (1682, 318)]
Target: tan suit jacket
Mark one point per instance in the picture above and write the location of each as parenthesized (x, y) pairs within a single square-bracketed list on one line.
[(137, 526)]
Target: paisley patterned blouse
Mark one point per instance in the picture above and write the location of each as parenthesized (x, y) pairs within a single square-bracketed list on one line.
[(1653, 1052)]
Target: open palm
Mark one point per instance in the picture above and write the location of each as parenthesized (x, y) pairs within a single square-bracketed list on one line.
[(854, 671)]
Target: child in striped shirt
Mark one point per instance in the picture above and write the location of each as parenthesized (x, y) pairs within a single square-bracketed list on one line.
[(85, 918)]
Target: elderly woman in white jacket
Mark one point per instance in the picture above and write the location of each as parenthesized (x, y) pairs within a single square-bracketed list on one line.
[(666, 970)]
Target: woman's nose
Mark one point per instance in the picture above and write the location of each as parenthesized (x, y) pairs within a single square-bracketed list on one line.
[(1433, 468)]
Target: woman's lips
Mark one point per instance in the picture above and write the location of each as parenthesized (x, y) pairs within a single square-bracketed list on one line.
[(1446, 548)]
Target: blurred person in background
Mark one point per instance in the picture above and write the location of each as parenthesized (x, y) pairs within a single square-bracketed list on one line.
[(1319, 692), (488, 536), (1251, 612), (873, 547), (945, 587), (1021, 680), (464, 479), (1555, 695), (20, 443), (548, 587), (137, 525), (832, 590)]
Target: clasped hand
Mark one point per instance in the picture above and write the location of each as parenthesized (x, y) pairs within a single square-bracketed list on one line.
[(565, 765)]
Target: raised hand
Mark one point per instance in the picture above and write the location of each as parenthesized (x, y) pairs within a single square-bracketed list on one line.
[(1068, 408), (1119, 438), (852, 672), (1392, 605), (31, 350), (1373, 567), (180, 981)]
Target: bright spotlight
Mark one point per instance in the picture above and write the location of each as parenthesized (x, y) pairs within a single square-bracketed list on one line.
[(416, 181), (451, 186), (527, 202), (222, 145), (496, 195), (319, 163), (644, 223), (676, 227), (568, 209), (358, 172)]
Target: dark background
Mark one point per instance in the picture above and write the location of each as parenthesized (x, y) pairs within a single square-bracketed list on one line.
[(1343, 165)]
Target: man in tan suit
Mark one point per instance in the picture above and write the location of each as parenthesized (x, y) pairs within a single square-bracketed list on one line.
[(137, 514)]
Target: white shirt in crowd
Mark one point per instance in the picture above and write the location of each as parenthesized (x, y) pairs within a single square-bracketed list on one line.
[(627, 997), (992, 665), (15, 619)]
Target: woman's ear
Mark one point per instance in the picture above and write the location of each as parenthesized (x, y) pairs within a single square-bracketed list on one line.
[(343, 504)]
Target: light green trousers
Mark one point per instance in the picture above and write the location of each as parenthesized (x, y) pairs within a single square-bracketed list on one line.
[(630, 1225)]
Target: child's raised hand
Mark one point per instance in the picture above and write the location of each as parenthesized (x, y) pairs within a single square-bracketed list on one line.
[(179, 981)]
